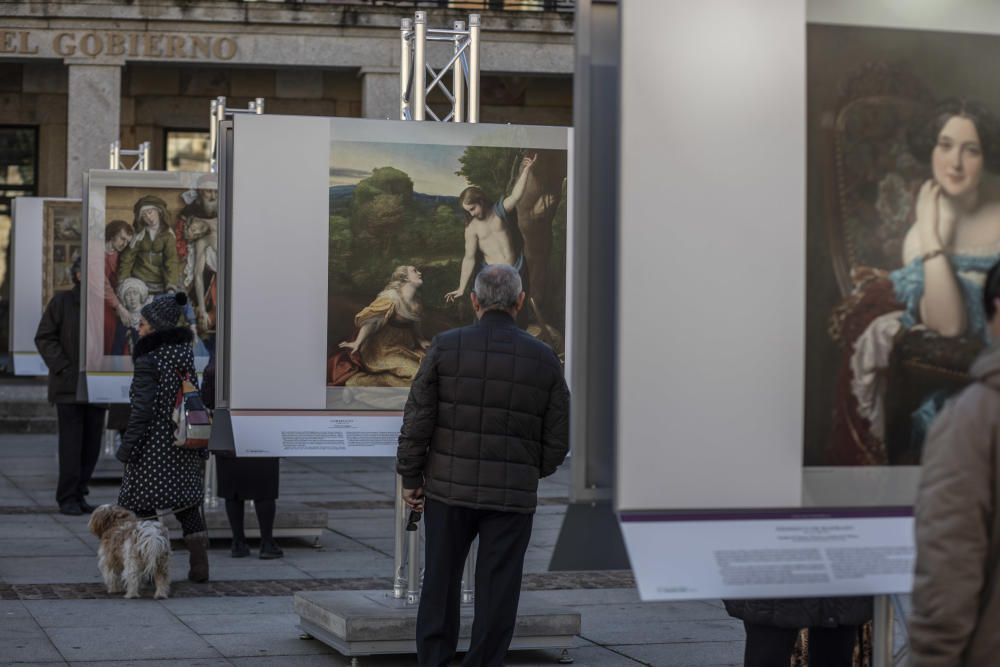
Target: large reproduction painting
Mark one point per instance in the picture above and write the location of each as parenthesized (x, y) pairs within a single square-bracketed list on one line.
[(149, 233), (410, 226), (63, 221), (903, 225)]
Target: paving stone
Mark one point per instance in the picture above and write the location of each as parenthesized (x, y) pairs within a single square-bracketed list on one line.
[(225, 624), (690, 654), (183, 607), (648, 623), (188, 662), (362, 528), (331, 659), (141, 643), (588, 656), (49, 546), (50, 569), (99, 613), (34, 527), (266, 644), (29, 650)]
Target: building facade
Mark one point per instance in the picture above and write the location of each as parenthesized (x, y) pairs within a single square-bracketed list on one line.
[(76, 76)]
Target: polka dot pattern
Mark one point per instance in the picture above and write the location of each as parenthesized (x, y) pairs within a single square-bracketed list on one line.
[(163, 475)]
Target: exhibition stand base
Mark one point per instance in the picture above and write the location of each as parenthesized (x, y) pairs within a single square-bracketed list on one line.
[(291, 520), (360, 623), (108, 469)]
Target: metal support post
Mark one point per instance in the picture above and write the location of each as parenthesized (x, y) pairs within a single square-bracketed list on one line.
[(469, 574), (882, 635), (115, 158), (399, 544), (211, 501), (218, 112), (413, 567), (458, 75), (474, 35), (413, 89), (405, 63), (419, 72), (141, 155)]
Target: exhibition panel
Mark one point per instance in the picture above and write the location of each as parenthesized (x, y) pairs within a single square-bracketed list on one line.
[(711, 287), (803, 366), (45, 242), (398, 217), (148, 233)]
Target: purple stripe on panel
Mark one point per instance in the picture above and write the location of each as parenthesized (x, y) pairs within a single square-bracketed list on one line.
[(782, 514)]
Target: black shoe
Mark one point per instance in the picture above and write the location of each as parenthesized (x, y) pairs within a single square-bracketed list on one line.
[(71, 509), (86, 507), (239, 549), (270, 549)]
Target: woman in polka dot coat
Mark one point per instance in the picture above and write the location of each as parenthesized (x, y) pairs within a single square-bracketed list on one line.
[(158, 474)]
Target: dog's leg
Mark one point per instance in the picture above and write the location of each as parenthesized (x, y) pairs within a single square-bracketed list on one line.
[(161, 577), (112, 580), (133, 578)]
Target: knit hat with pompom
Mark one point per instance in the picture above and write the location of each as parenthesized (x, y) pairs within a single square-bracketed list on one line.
[(165, 311)]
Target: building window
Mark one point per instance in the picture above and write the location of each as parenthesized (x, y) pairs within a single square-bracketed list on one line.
[(187, 150), (18, 178)]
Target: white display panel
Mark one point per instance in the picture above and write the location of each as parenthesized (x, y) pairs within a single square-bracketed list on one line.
[(711, 265), (279, 249), (27, 277), (760, 556), (310, 434), (292, 179)]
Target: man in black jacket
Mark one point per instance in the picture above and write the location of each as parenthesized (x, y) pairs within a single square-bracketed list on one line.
[(487, 416), (81, 426)]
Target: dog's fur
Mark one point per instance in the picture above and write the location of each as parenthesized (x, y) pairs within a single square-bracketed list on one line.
[(131, 551)]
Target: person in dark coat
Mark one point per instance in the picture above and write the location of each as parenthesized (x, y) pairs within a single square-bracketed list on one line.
[(81, 426), (772, 627), (486, 417), (241, 479), (158, 473)]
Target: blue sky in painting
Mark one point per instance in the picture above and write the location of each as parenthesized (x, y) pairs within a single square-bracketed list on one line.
[(431, 166)]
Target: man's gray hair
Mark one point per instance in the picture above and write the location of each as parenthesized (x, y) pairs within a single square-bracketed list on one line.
[(497, 287)]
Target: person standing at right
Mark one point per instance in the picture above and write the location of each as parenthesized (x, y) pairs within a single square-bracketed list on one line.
[(487, 416), (81, 426), (956, 599)]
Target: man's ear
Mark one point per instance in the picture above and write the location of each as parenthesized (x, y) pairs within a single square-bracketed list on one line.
[(520, 301), (475, 300)]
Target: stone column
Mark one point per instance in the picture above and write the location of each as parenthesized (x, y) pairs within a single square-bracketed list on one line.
[(93, 119), (380, 92)]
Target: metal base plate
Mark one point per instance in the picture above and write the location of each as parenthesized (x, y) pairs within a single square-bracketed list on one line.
[(359, 623), (291, 520)]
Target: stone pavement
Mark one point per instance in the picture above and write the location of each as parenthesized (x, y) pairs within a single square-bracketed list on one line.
[(54, 610)]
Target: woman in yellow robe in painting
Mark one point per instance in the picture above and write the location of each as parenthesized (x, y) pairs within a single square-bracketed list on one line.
[(387, 347)]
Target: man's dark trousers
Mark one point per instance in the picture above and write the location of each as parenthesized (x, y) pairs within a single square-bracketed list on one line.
[(81, 428), (503, 539)]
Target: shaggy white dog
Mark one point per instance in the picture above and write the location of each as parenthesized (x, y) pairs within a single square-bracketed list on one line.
[(131, 551)]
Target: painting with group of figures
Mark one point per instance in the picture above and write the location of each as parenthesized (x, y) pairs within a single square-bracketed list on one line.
[(411, 225), (147, 239), (903, 225), (62, 222)]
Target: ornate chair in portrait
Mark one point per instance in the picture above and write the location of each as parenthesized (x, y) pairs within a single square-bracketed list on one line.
[(891, 371)]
